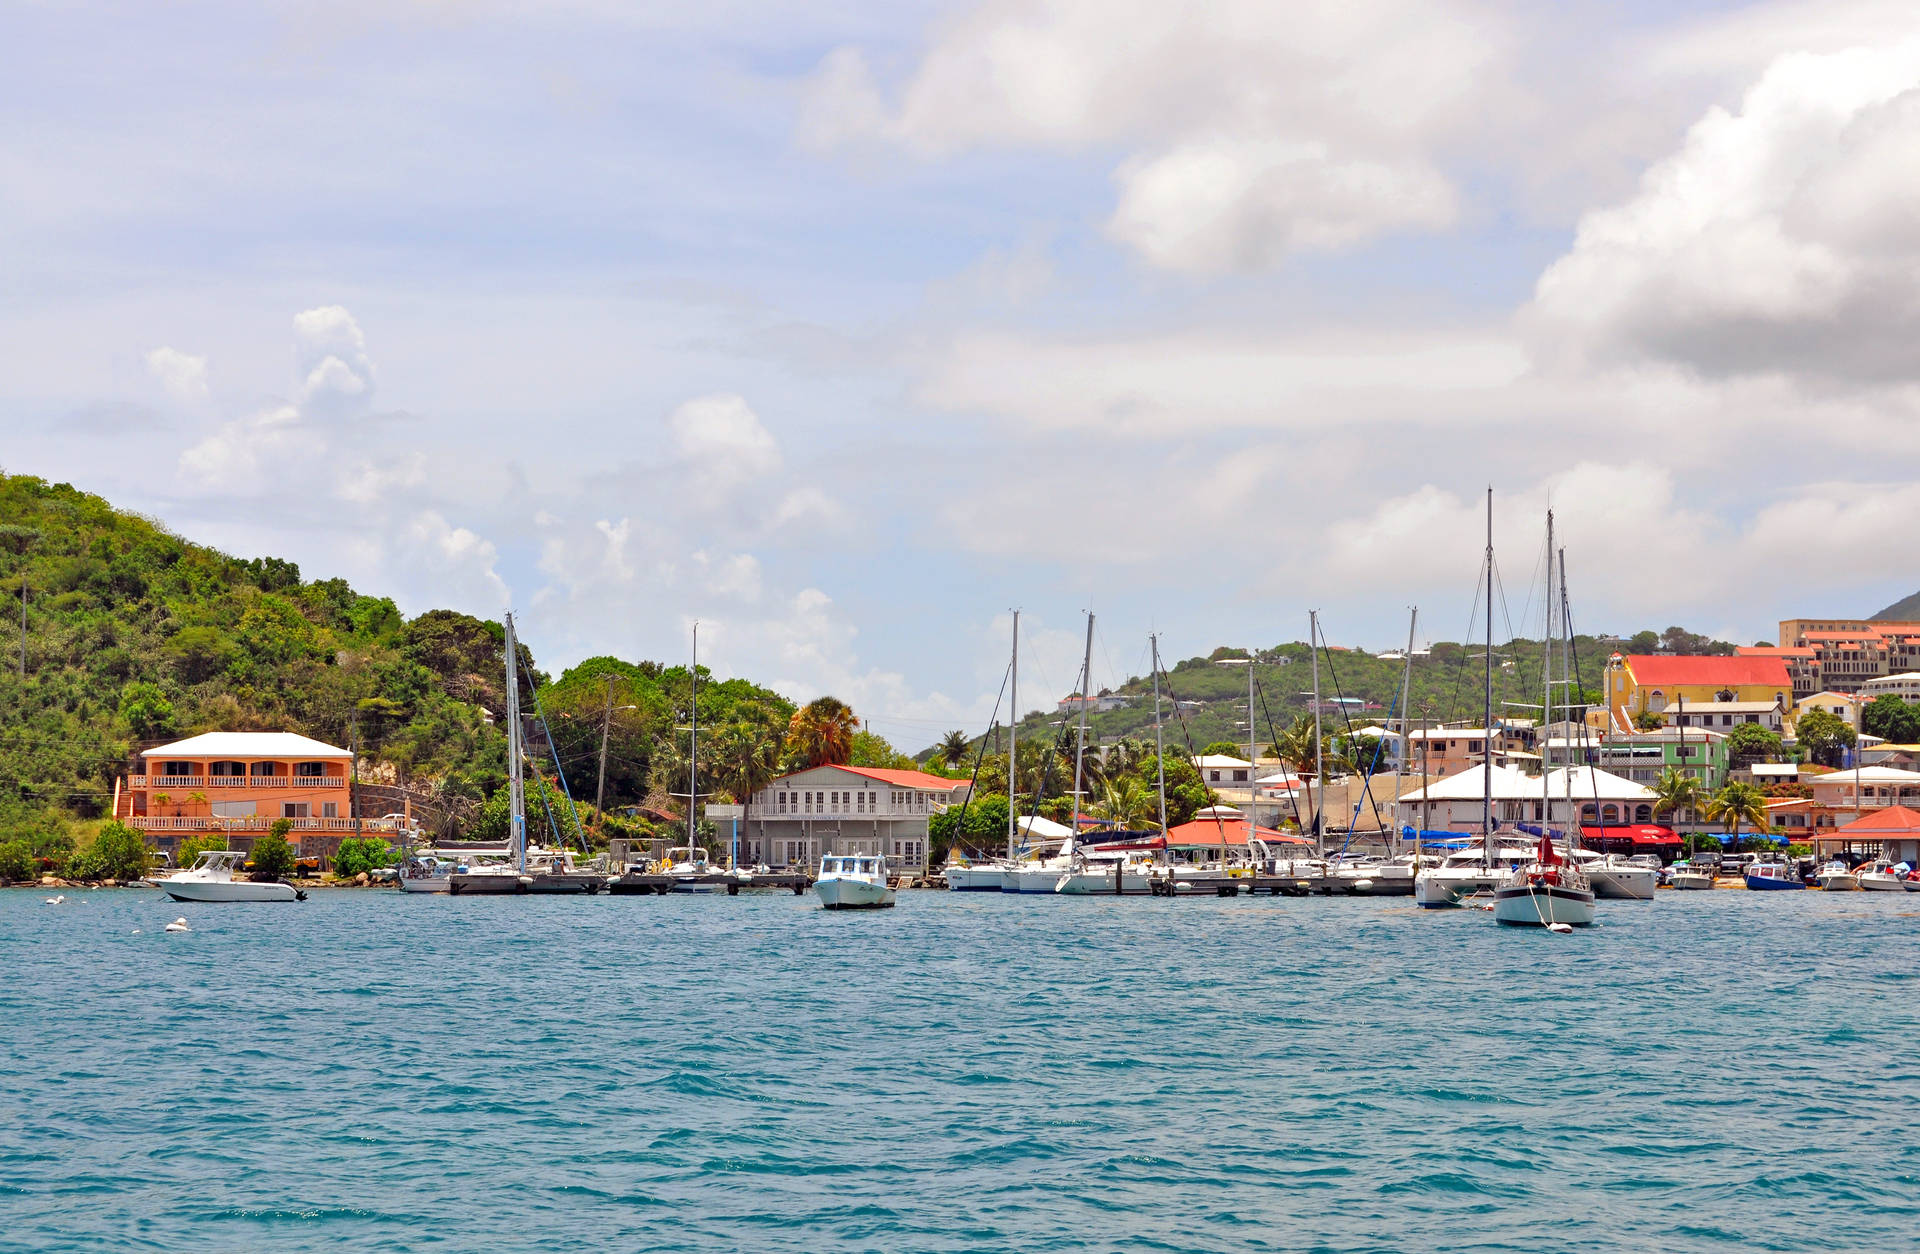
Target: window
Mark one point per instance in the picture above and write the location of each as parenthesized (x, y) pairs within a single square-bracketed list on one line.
[(329, 810), (176, 768), (308, 770), (262, 769), (233, 809), (293, 809), (225, 769)]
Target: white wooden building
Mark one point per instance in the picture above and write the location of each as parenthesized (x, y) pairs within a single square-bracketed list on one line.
[(800, 818)]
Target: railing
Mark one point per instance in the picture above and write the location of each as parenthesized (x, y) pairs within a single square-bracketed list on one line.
[(150, 783), (255, 823)]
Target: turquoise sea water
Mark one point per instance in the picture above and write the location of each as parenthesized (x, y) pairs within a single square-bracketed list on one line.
[(1713, 1071)]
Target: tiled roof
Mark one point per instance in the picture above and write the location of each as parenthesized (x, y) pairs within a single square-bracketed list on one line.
[(1890, 820), (1656, 670)]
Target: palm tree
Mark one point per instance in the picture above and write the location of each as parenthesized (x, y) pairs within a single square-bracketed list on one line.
[(1736, 803), (1295, 746), (821, 733), (746, 757), (1129, 803), (953, 748), (1677, 790)]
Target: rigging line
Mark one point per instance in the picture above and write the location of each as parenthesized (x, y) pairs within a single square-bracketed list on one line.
[(1293, 794), (1593, 772), (560, 772), (1186, 733), (960, 823), (1367, 787), (1460, 663)]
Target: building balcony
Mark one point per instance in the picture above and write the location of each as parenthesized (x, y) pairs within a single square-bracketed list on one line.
[(253, 823), (288, 783)]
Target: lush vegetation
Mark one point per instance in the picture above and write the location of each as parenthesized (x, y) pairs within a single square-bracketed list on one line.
[(358, 854), (273, 853), (1892, 719)]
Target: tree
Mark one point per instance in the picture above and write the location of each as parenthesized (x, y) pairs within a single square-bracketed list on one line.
[(953, 748), (1647, 720), (273, 854), (821, 733), (1824, 736), (361, 853), (146, 710), (16, 861), (1892, 719), (747, 758), (982, 828), (1222, 748), (1677, 791), (873, 749), (1750, 742), (193, 846), (1128, 802), (122, 852), (1734, 804)]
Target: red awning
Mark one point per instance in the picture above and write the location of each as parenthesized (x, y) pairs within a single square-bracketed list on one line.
[(1638, 833)]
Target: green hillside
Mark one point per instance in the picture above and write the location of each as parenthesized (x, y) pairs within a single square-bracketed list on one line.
[(134, 636)]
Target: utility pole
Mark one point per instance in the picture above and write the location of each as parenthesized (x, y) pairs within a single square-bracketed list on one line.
[(1319, 767), (600, 792), (23, 626)]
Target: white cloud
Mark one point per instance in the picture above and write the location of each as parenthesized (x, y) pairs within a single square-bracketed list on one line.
[(458, 563), (184, 377), (724, 441), (238, 456), (1784, 237), (1253, 130), (336, 375)]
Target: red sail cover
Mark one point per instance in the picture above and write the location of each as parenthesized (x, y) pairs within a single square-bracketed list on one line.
[(1546, 855)]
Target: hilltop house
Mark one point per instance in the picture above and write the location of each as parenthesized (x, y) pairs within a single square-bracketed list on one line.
[(1656, 683)]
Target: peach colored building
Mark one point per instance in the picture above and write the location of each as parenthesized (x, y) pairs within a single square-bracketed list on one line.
[(241, 783)]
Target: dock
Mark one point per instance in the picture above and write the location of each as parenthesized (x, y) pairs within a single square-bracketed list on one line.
[(650, 883)]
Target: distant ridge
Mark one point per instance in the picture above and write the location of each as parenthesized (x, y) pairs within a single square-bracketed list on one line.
[(1905, 610)]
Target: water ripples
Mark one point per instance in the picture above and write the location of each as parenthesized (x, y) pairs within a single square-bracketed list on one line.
[(964, 1072)]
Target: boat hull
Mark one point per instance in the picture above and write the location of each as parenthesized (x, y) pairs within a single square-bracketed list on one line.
[(1099, 883), (1692, 883), (471, 885), (853, 895), (229, 890), (1543, 906), (1031, 879), (427, 884), (1880, 882), (974, 879), (566, 882), (1623, 883), (1840, 883), (1767, 884), (1435, 890)]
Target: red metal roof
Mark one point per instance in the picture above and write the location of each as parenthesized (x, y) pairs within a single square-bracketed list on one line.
[(1769, 650), (1890, 821), (1219, 832), (899, 779), (1656, 670), (1639, 833)]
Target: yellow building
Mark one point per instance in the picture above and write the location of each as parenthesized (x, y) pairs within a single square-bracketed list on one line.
[(1660, 684)]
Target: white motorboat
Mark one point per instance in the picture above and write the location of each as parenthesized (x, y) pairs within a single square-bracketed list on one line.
[(1615, 877), (1094, 875), (691, 872), (427, 873), (210, 878), (1837, 877), (1689, 878), (1370, 876), (979, 877), (1883, 877), (853, 882), (488, 878), (1467, 873), (1549, 891)]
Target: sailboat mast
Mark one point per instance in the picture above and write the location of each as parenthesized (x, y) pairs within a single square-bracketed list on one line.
[(693, 742), (1319, 782), (1406, 742), (1546, 695), (1486, 842), (1253, 757), (1013, 732), (516, 787), (1566, 656), (1159, 742), (1080, 738)]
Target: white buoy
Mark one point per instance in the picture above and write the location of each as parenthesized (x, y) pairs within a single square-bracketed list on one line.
[(1560, 929), (179, 925)]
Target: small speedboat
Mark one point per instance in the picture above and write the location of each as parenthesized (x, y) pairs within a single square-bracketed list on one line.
[(1837, 877), (1617, 877), (1883, 877), (210, 878), (427, 873), (1686, 877), (1772, 877), (853, 882)]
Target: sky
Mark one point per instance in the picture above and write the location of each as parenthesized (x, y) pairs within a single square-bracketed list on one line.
[(845, 329)]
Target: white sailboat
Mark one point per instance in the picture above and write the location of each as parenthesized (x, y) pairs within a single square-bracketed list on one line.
[(1042, 874), (1551, 890), (511, 876)]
